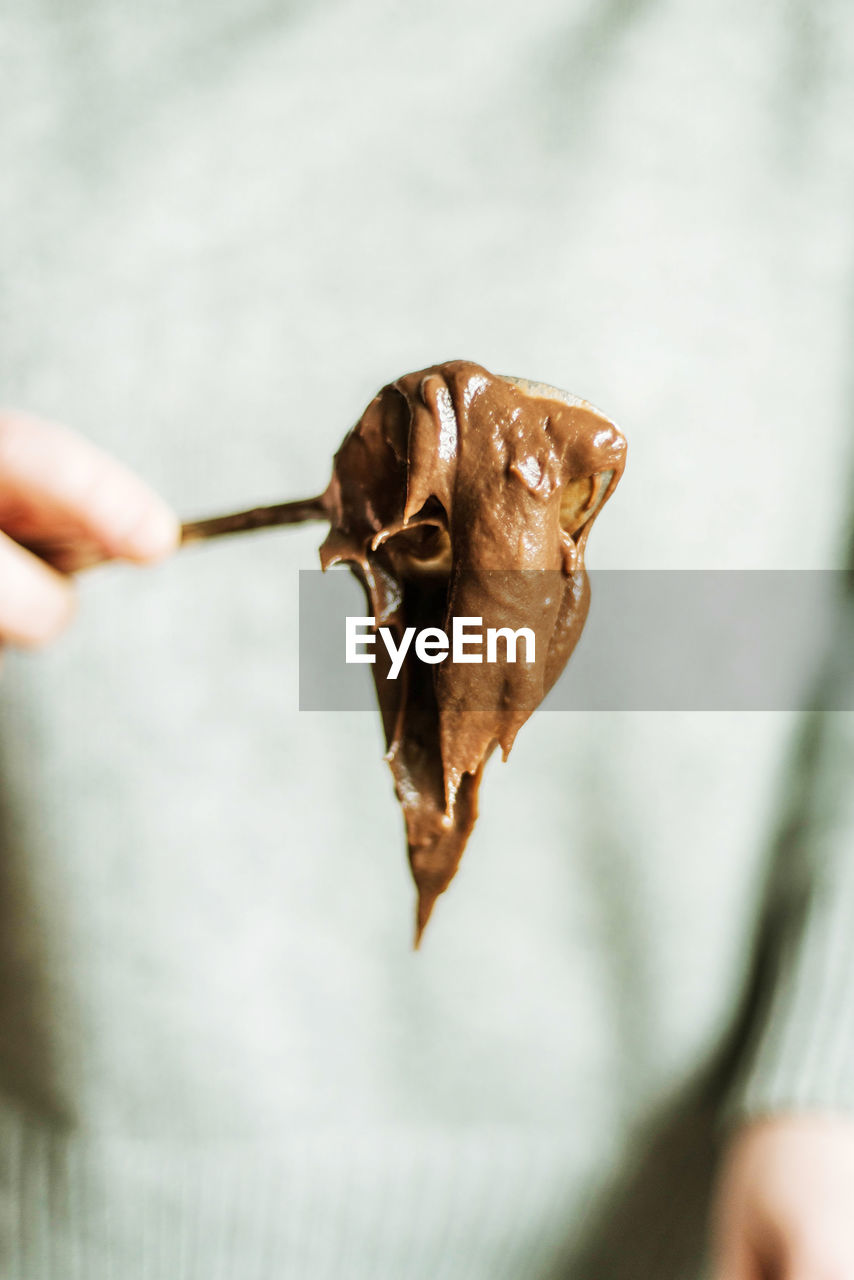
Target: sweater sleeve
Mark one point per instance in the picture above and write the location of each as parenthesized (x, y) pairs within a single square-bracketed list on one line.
[(799, 1048)]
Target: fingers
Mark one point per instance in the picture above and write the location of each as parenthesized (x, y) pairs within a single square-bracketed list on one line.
[(785, 1255), (35, 601), (817, 1259), (67, 499), (51, 478)]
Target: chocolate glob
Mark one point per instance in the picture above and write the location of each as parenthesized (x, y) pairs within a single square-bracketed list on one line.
[(457, 494), (459, 497)]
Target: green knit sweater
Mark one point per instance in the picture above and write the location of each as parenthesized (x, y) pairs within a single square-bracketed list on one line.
[(223, 226)]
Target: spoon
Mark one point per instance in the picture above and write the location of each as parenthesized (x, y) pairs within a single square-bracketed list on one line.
[(74, 554), (296, 512)]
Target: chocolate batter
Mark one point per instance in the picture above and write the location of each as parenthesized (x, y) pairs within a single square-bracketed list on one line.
[(461, 494)]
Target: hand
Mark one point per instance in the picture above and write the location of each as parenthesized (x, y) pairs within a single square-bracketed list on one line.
[(785, 1207), (65, 505)]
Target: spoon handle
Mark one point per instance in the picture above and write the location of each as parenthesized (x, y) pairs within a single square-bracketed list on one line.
[(72, 555), (257, 518)]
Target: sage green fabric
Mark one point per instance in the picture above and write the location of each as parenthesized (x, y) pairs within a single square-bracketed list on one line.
[(223, 226)]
